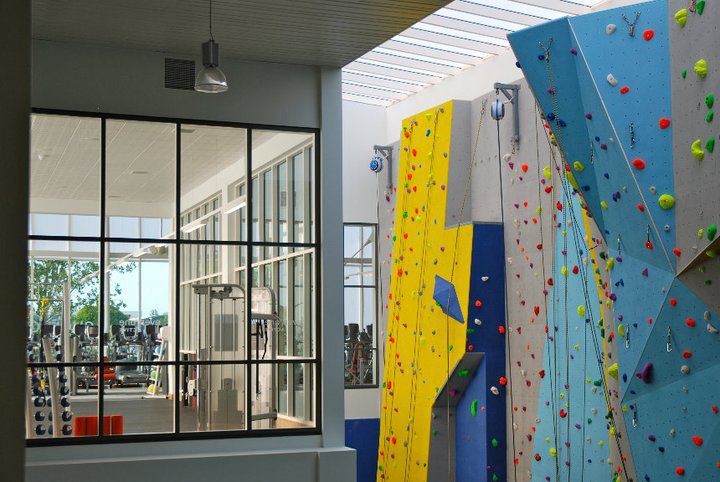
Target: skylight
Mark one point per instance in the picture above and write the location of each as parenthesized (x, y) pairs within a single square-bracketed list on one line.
[(456, 37)]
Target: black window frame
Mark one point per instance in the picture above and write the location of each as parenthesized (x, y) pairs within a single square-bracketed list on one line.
[(177, 242), (376, 288)]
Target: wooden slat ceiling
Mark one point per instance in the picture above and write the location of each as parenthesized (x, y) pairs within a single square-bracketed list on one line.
[(308, 32), (443, 44)]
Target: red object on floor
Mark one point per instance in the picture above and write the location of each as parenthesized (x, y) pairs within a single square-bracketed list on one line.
[(88, 425)]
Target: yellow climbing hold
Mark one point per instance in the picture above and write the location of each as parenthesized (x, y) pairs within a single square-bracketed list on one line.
[(578, 166), (612, 431), (610, 264), (553, 452), (696, 149), (621, 329), (681, 17), (581, 311), (666, 201), (701, 233), (547, 172), (700, 68), (613, 370), (604, 204), (564, 271)]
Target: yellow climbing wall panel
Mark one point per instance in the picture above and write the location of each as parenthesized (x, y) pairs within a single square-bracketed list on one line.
[(423, 344)]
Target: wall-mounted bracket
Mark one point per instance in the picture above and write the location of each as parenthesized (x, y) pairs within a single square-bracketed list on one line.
[(510, 91), (386, 152)]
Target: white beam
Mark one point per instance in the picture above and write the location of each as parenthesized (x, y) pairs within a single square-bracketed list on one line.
[(438, 52), (496, 12), (366, 100), (363, 78), (392, 72), (454, 41), (365, 89), (471, 27), (411, 63), (560, 5)]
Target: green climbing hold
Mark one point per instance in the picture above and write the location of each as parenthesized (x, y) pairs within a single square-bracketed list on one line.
[(710, 144), (597, 383), (463, 373), (578, 166), (709, 101), (711, 232), (683, 74), (473, 408), (495, 478), (700, 7), (494, 443), (696, 149), (701, 68), (666, 201), (681, 17), (613, 370), (709, 116)]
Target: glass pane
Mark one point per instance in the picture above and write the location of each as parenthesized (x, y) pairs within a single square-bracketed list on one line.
[(213, 162), (62, 304), (140, 177), (352, 249), (287, 192), (301, 316), (64, 174), (367, 255), (284, 396), (212, 312), (61, 402), (139, 303), (360, 348), (212, 397), (135, 399)]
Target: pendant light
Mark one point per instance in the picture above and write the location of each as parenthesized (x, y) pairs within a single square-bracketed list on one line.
[(210, 80)]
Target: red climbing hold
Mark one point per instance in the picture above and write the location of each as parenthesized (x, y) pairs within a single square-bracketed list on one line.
[(563, 413), (714, 409), (414, 152), (575, 270), (501, 330), (625, 90), (559, 206), (673, 302), (536, 310), (698, 441), (649, 245), (641, 208), (503, 381), (639, 164), (664, 123), (686, 354), (524, 167), (676, 252), (478, 303), (680, 471), (690, 322), (541, 373), (539, 246), (648, 34)]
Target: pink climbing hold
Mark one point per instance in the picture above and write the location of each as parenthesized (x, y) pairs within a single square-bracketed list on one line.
[(646, 373)]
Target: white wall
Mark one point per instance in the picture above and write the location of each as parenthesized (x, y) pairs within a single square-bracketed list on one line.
[(77, 77)]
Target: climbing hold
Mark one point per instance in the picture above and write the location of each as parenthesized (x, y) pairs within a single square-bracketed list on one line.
[(709, 116), (639, 164), (612, 80), (648, 34), (610, 28), (681, 17), (625, 90), (687, 354), (710, 144), (677, 252), (700, 68), (646, 373), (473, 408), (588, 116), (698, 441), (709, 100), (664, 123), (524, 167), (690, 322), (684, 369), (621, 330), (711, 329), (604, 204), (495, 390), (700, 7), (711, 232), (578, 166), (696, 149), (613, 370), (680, 471), (666, 201), (581, 311), (573, 51)]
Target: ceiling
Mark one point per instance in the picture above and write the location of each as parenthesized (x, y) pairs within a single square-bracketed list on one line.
[(65, 158), (309, 32), (454, 38)]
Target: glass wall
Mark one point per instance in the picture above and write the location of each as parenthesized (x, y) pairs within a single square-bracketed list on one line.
[(167, 295), (360, 289)]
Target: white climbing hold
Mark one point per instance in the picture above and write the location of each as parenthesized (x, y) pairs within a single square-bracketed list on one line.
[(672, 432), (478, 322), (684, 369), (495, 390), (612, 80), (610, 29), (711, 329), (485, 278), (652, 189)]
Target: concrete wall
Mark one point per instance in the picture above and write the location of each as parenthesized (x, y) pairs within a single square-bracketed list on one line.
[(86, 78)]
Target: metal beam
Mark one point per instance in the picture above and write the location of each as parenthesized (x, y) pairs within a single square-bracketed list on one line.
[(558, 5), (466, 26), (372, 91), (361, 99), (380, 82), (438, 52), (393, 72), (398, 59), (454, 41), (496, 12)]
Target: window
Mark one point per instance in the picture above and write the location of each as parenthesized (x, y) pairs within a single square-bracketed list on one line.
[(168, 296), (360, 288)]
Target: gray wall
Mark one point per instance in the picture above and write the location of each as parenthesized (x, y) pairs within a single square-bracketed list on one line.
[(86, 78), (14, 131)]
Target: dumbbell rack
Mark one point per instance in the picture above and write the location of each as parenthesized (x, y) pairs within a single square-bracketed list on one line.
[(48, 401)]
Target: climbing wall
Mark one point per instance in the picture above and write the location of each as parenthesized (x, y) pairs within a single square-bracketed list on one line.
[(443, 295), (606, 84)]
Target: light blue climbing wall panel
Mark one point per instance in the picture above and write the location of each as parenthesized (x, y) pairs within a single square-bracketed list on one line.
[(618, 142), (571, 435)]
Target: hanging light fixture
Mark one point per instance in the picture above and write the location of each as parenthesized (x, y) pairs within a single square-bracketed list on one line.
[(210, 80)]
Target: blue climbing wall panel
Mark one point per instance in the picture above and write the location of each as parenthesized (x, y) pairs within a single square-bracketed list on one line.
[(363, 434), (616, 140), (477, 457), (571, 404)]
